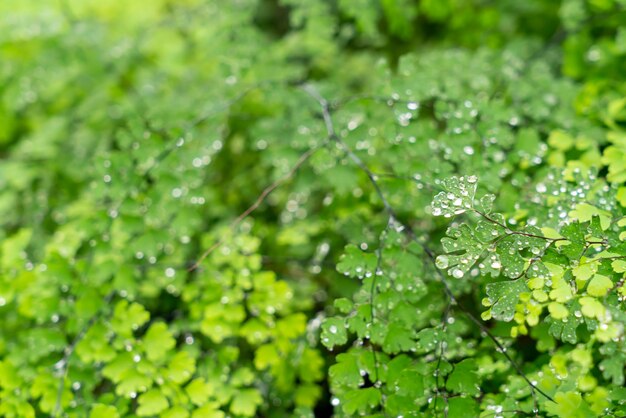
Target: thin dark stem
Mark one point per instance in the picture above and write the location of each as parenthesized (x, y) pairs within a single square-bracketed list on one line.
[(311, 91), (379, 262), (443, 394), (410, 233), (509, 231), (63, 365), (259, 200)]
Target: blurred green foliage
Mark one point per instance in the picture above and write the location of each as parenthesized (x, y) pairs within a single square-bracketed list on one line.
[(284, 208)]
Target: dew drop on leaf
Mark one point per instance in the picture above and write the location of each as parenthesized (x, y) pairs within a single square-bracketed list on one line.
[(442, 261)]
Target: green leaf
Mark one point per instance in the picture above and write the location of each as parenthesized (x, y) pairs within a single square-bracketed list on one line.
[(117, 368), (561, 290), (613, 368), (158, 341), (181, 367), (429, 339), (95, 345), (460, 407), (334, 332), (199, 391), (221, 322), (599, 285), (399, 338), (207, 411), (311, 367), (560, 140), (511, 248), (267, 355), (343, 305), (592, 308), (464, 378), (357, 263), (132, 382), (585, 270), (619, 266), (246, 402), (503, 297), (569, 404), (585, 212), (307, 395), (565, 330), (345, 371), (361, 401), (615, 158), (463, 249), (558, 310), (575, 240), (128, 317), (621, 191), (151, 403), (457, 197), (242, 376), (99, 410), (175, 412)]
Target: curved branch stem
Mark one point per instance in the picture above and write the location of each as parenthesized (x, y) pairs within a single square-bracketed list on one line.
[(410, 233)]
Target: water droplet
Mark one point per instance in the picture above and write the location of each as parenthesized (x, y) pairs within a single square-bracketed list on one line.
[(441, 261)]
